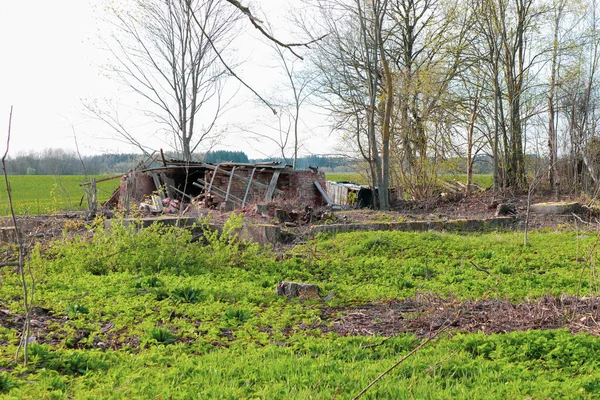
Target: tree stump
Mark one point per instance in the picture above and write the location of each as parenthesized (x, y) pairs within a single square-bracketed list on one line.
[(298, 290)]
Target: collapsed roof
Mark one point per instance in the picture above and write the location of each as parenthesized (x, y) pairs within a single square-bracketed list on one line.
[(225, 186)]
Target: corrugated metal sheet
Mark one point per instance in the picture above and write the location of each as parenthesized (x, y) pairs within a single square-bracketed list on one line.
[(343, 194)]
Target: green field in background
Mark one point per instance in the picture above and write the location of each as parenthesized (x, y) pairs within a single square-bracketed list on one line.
[(44, 194), (483, 180)]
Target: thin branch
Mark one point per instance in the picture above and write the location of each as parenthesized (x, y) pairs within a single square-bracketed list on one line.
[(26, 325), (416, 349), (256, 22), (227, 65)]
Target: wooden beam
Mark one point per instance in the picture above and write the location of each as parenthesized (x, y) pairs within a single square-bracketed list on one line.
[(213, 178), (323, 193), (183, 195), (169, 183), (257, 183), (248, 187), (159, 188), (229, 184), (272, 184), (221, 193), (102, 180)]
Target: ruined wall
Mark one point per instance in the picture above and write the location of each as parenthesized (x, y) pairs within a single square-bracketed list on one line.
[(295, 185), (134, 187)]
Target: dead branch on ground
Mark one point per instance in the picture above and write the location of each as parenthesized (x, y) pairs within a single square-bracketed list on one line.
[(413, 351)]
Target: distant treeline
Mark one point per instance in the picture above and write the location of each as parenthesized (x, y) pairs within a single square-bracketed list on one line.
[(66, 162), (314, 161), (218, 156), (302, 162)]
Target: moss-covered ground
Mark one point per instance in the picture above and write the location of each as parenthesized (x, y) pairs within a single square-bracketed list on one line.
[(151, 314)]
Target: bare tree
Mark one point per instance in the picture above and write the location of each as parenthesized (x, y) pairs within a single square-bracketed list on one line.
[(349, 80), (298, 81), (164, 52)]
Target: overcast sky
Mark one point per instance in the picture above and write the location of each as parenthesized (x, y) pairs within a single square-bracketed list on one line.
[(52, 60)]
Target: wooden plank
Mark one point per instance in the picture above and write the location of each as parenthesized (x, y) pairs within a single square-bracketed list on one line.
[(102, 180), (182, 194), (169, 183), (162, 155), (213, 178), (91, 193), (221, 193), (323, 193), (272, 184), (229, 184), (248, 187), (158, 185), (257, 183)]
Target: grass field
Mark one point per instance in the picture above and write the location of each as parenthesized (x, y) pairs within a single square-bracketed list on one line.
[(483, 180), (46, 194), (150, 314)]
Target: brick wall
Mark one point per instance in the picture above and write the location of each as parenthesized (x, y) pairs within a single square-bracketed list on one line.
[(294, 184)]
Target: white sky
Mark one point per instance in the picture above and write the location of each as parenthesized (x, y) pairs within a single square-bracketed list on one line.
[(51, 61)]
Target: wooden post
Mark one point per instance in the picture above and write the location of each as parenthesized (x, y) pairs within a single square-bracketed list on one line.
[(159, 188), (323, 193), (129, 189), (248, 187), (229, 184), (213, 178), (91, 192), (168, 183), (272, 184)]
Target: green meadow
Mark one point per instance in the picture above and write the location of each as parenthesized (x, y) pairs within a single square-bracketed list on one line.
[(153, 314), (47, 194), (483, 180)]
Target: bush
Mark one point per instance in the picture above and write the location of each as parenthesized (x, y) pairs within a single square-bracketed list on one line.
[(152, 250)]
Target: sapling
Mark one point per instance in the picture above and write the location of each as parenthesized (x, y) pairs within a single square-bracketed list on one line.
[(24, 342)]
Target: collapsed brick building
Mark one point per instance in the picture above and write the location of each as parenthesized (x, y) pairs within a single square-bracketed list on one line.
[(226, 186)]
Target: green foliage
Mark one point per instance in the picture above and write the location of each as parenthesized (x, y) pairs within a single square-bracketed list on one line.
[(375, 265), (161, 336), (5, 383), (187, 294), (209, 324), (156, 249), (236, 316), (75, 309), (75, 363)]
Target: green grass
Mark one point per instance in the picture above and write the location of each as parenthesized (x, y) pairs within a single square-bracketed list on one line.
[(203, 321), (347, 177), (45, 194), (483, 180)]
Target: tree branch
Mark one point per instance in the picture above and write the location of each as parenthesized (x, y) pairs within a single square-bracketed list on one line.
[(257, 24)]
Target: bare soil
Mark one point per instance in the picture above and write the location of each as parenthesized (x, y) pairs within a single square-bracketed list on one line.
[(424, 315)]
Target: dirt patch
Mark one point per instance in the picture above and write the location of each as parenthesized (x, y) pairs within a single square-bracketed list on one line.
[(47, 328), (425, 315)]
